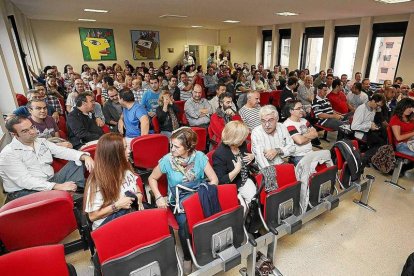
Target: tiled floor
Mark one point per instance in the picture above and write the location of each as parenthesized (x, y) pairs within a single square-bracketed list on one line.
[(350, 240)]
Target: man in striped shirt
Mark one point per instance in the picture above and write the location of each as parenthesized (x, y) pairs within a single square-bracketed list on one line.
[(271, 141), (250, 111), (323, 111)]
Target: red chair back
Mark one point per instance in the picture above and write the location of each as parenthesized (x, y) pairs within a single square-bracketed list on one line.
[(147, 150), (21, 99), (132, 231), (155, 124), (275, 97), (201, 138), (91, 150), (41, 260), (58, 164), (210, 156), (264, 98), (181, 113), (37, 219), (105, 129), (62, 125), (390, 137)]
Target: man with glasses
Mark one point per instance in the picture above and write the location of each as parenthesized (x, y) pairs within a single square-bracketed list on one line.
[(82, 127), (112, 109), (25, 163), (299, 129), (270, 140)]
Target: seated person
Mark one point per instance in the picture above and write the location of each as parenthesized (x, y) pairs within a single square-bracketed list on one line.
[(271, 141), (167, 113), (363, 122), (51, 96), (185, 86), (45, 125), (299, 129), (134, 117), (337, 98), (112, 109), (322, 110), (106, 187), (173, 88), (402, 125), (82, 127), (183, 164), (231, 161), (33, 94), (357, 97), (150, 97), (306, 93), (214, 102), (197, 109), (250, 111), (25, 163), (137, 90), (288, 92), (224, 114)]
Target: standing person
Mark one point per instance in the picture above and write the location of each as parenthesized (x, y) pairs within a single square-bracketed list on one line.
[(106, 187), (231, 161), (183, 164), (167, 113), (150, 97)]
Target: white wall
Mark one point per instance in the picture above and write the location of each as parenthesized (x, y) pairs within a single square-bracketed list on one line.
[(58, 42)]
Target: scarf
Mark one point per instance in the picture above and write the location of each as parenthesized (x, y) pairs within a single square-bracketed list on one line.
[(269, 178), (173, 117), (185, 166)]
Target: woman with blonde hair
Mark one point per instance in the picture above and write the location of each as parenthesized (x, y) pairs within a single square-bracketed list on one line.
[(167, 113), (231, 161), (111, 186)]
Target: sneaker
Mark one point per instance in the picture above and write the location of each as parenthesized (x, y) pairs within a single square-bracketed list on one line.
[(187, 267)]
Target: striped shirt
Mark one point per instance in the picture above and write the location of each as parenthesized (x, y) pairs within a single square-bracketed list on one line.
[(262, 141), (299, 128), (321, 106), (184, 95), (250, 116)]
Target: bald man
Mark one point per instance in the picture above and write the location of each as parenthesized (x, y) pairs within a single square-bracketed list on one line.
[(197, 109)]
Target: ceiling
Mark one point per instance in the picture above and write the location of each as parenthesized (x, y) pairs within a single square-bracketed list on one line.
[(207, 13)]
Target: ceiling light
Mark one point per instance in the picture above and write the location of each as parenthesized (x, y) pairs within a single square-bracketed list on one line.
[(286, 13), (196, 26), (84, 19), (231, 21), (173, 15), (392, 1), (93, 10)]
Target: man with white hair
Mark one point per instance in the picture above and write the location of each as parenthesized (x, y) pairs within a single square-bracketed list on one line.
[(271, 141)]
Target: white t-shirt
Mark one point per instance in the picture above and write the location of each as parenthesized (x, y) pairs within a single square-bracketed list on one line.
[(129, 184), (296, 128)]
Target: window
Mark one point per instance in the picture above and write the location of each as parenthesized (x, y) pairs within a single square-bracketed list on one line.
[(267, 49), (312, 49), (345, 45), (387, 41), (284, 47)]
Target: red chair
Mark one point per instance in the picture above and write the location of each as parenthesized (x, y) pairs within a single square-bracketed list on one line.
[(63, 105), (41, 260), (139, 242), (211, 235), (38, 219), (275, 97), (147, 150), (322, 184), (202, 138), (58, 164), (155, 124), (321, 127), (105, 129), (210, 156), (264, 98), (91, 149), (181, 113), (21, 99), (401, 159), (62, 125), (283, 202)]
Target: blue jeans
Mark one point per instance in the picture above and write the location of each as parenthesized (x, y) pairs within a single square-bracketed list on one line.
[(403, 148), (296, 159)]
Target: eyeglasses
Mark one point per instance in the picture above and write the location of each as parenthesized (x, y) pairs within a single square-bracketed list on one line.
[(298, 108), (270, 121)]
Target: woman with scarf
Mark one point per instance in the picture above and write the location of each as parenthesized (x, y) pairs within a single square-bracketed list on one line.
[(167, 113), (182, 164)]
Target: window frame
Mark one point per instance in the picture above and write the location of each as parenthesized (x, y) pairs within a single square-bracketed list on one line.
[(343, 31), (310, 32), (267, 36), (390, 29), (283, 34)]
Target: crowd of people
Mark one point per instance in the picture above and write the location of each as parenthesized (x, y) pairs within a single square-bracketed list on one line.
[(225, 100)]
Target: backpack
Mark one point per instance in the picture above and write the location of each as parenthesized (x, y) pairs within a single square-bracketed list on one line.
[(352, 157), (384, 159)]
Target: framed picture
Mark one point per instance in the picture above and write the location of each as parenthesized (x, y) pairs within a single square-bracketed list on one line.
[(97, 44), (145, 44)]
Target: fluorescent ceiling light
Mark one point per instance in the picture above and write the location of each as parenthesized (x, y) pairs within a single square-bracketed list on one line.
[(286, 13), (93, 10), (196, 26), (392, 1), (173, 15), (231, 21), (89, 20)]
